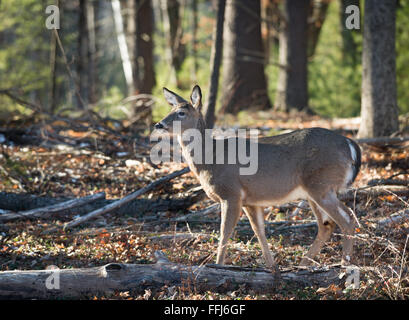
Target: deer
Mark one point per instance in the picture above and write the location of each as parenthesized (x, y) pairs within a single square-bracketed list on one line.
[(313, 164)]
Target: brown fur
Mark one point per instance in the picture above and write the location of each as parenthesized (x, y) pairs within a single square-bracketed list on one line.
[(311, 163)]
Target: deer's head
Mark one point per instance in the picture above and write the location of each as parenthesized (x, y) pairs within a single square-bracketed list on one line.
[(188, 114)]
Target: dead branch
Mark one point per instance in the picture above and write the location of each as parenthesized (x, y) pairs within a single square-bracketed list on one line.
[(136, 278), (117, 204), (31, 106), (382, 141), (388, 182), (214, 208), (12, 202), (178, 237), (373, 192), (51, 209), (396, 218)]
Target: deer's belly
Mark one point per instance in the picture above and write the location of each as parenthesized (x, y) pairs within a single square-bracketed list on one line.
[(273, 200)]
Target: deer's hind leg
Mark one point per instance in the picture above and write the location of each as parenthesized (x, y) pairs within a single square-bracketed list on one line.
[(256, 218), (341, 215), (325, 228)]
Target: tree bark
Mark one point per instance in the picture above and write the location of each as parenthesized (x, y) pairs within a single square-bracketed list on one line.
[(175, 11), (215, 61), (91, 53), (123, 46), (169, 43), (53, 73), (131, 38), (292, 86), (194, 39), (82, 52), (244, 82), (144, 51), (136, 278), (349, 47), (379, 113), (315, 22)]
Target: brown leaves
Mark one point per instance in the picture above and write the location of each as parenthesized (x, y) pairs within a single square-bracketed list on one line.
[(66, 171)]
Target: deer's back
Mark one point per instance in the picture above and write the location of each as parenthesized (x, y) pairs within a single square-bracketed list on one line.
[(289, 164)]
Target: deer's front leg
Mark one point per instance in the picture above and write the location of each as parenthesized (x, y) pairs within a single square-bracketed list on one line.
[(256, 218), (230, 211)]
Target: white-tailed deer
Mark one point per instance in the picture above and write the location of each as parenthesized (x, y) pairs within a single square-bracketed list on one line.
[(311, 164)]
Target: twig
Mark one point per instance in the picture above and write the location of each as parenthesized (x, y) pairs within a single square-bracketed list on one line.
[(178, 237), (215, 208), (303, 204), (402, 264), (32, 106), (77, 93)]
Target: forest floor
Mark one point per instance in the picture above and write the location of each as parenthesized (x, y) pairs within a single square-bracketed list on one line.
[(119, 168)]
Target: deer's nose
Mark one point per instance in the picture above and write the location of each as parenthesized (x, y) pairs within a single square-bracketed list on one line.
[(159, 126)]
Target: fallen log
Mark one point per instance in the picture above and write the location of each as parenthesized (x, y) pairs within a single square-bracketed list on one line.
[(51, 209), (136, 278)]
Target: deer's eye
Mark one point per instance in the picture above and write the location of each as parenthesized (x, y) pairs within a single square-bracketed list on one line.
[(181, 114)]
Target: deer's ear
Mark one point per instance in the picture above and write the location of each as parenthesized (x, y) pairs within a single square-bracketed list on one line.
[(196, 97), (172, 98)]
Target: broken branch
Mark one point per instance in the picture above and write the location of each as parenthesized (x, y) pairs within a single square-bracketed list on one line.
[(125, 200), (55, 208)]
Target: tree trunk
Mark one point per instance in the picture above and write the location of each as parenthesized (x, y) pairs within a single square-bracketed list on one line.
[(315, 22), (144, 53), (268, 26), (131, 38), (82, 52), (91, 53), (176, 11), (292, 87), (169, 53), (53, 73), (86, 67), (215, 61), (244, 81), (194, 39), (379, 112), (98, 35), (123, 46), (136, 278), (349, 47)]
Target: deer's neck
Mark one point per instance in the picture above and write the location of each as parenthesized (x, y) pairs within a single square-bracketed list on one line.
[(197, 144)]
